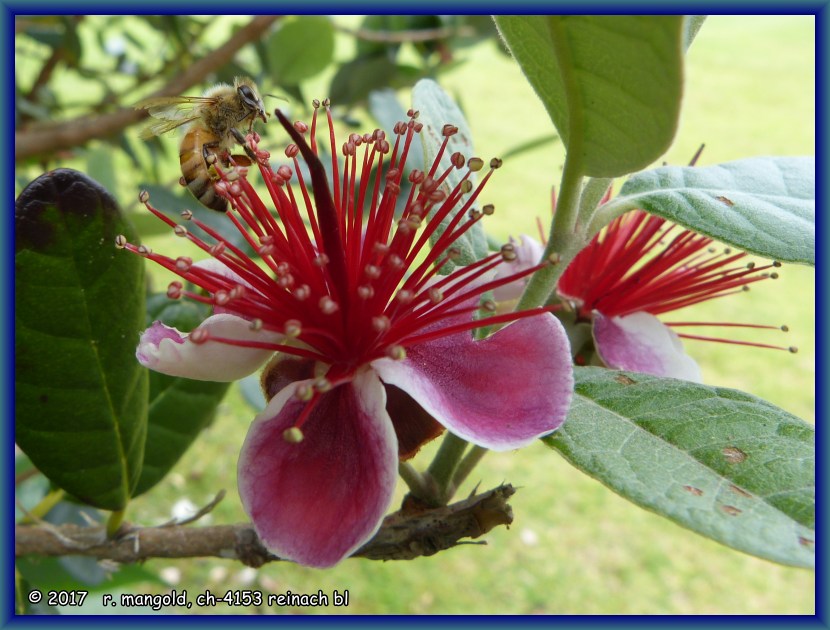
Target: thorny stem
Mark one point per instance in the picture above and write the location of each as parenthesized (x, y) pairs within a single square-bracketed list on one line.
[(443, 467)]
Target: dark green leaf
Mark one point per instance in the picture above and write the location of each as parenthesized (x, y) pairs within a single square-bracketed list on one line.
[(101, 167), (54, 574), (81, 397), (718, 461), (71, 47), (22, 588), (472, 30), (124, 142), (179, 407), (301, 48), (415, 23), (263, 56), (764, 205), (355, 79), (436, 110), (367, 47), (48, 33), (172, 205), (611, 84)]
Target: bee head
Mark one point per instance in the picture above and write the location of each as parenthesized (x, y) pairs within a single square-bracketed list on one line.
[(247, 92)]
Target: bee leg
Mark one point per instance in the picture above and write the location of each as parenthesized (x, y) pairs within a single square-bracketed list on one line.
[(208, 152), (241, 140)]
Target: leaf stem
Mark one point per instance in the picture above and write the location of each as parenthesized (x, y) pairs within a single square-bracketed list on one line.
[(608, 212), (114, 522), (592, 194), (564, 241), (40, 511), (414, 480), (465, 467)]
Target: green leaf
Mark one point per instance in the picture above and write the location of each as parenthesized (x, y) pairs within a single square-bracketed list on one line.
[(80, 394), (301, 48), (356, 79), (763, 205), (71, 46), (61, 574), (611, 84), (173, 204), (383, 23), (179, 407), (436, 110), (718, 461), (387, 110), (101, 167)]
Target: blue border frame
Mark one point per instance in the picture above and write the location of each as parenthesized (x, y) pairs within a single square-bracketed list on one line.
[(818, 8)]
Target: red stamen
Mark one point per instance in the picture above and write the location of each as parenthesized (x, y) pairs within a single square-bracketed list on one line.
[(629, 267), (352, 283)]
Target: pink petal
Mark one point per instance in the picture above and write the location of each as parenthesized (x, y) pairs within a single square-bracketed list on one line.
[(501, 392), (318, 501), (166, 350), (219, 268), (640, 342), (528, 253)]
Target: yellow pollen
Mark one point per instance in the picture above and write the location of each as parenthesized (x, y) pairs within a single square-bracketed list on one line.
[(292, 435)]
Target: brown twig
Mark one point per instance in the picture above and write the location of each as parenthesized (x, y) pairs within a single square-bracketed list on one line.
[(48, 138), (404, 535)]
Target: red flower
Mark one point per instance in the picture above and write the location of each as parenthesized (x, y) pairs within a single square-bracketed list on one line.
[(640, 266), (352, 302)]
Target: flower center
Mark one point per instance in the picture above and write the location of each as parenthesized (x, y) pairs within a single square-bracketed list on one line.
[(351, 272)]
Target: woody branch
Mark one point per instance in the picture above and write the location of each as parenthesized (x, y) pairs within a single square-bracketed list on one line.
[(51, 137), (404, 535)]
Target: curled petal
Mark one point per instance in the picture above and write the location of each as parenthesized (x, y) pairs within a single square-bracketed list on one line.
[(219, 268), (317, 501), (640, 342), (166, 350), (413, 426), (501, 392), (528, 253)]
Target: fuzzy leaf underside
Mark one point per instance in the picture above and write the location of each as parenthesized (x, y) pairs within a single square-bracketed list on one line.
[(717, 461), (763, 205), (437, 109)]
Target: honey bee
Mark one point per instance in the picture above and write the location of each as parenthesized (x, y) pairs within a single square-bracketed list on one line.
[(213, 122)]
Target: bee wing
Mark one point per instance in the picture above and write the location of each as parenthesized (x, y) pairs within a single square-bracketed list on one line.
[(159, 127), (171, 112)]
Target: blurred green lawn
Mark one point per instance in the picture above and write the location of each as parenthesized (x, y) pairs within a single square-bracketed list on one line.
[(575, 547)]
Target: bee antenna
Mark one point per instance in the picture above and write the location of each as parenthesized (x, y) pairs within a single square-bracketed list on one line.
[(282, 98)]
